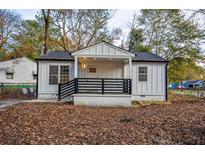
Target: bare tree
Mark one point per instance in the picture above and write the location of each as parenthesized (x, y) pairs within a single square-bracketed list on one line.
[(8, 22), (81, 28), (47, 18), (61, 23)]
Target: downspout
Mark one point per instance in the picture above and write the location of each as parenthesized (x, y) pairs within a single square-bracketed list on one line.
[(166, 89), (37, 81)]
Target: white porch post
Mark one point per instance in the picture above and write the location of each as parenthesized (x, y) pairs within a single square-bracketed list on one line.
[(130, 67), (76, 67)]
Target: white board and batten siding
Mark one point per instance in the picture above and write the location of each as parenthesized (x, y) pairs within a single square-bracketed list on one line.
[(104, 69), (44, 89), (104, 50), (154, 88)]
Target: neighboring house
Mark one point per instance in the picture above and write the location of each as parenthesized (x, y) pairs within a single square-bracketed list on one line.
[(102, 74), (20, 70), (193, 84)]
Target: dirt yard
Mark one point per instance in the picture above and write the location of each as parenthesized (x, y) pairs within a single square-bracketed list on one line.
[(181, 122)]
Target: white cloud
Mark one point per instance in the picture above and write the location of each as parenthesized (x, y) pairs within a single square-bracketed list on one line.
[(122, 19), (27, 13)]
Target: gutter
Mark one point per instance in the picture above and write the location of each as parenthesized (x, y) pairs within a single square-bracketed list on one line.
[(54, 59), (150, 61)]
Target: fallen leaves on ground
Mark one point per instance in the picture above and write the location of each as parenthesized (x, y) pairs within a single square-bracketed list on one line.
[(182, 122)]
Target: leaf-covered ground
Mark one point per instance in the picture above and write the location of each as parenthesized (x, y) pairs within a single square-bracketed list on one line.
[(182, 122)]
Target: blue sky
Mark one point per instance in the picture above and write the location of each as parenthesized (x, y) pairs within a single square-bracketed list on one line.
[(122, 18)]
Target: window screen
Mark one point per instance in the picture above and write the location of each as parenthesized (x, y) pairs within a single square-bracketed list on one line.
[(53, 75), (64, 74), (143, 73)]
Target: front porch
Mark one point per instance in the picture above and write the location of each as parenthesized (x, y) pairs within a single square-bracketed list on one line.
[(97, 91), (102, 60), (102, 74), (89, 67), (94, 86)]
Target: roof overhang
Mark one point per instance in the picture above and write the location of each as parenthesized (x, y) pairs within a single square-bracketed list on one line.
[(38, 59), (150, 61)]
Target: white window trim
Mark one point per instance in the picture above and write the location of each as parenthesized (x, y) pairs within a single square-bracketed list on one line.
[(92, 68), (59, 67), (139, 73), (49, 75), (10, 78), (59, 72)]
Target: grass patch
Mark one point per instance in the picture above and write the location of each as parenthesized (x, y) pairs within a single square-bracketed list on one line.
[(146, 103)]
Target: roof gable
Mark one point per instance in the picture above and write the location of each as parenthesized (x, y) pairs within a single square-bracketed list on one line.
[(103, 49), (16, 61)]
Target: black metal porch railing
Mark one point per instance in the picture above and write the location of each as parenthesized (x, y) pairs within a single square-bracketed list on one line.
[(95, 86)]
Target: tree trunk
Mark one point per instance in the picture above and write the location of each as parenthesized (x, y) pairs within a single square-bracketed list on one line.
[(46, 16), (46, 38)]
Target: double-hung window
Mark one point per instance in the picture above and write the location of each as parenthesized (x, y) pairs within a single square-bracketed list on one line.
[(142, 73), (53, 75), (64, 74), (58, 74)]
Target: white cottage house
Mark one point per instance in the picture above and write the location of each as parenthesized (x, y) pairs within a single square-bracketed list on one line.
[(19, 70), (102, 75)]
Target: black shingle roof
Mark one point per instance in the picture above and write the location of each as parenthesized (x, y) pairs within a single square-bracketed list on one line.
[(148, 56), (56, 55), (139, 56)]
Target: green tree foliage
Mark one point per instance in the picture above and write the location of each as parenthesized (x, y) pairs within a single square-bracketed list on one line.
[(184, 69), (66, 30), (28, 41), (9, 20), (136, 41), (169, 34)]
